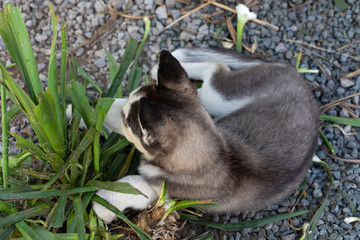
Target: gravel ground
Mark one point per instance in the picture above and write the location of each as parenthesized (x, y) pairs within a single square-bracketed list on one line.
[(315, 22)]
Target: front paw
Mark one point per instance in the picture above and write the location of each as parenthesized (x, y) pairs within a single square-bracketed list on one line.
[(123, 201)]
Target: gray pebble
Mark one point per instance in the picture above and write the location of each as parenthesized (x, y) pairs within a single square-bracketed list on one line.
[(288, 237), (100, 6), (100, 63), (345, 83), (280, 48), (161, 12)]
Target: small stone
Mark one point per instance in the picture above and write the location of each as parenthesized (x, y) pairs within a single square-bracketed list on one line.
[(345, 83), (288, 237), (161, 12), (100, 6), (289, 55), (40, 38), (41, 66), (79, 52), (280, 48), (39, 15), (58, 1), (344, 113), (29, 23), (175, 14), (184, 36), (100, 63), (170, 3), (317, 193)]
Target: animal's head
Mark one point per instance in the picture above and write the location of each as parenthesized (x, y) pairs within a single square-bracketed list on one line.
[(157, 116)]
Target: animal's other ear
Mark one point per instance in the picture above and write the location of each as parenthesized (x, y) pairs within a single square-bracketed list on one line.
[(149, 117), (172, 75)]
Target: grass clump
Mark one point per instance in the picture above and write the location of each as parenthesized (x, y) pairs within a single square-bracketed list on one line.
[(74, 162)]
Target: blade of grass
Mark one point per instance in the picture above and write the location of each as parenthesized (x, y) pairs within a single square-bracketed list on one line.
[(107, 153), (14, 34), (89, 79), (80, 219), (311, 229), (26, 231), (63, 69), (243, 225), (16, 195), (133, 78), (115, 165), (25, 102), (125, 62), (29, 213), (121, 187), (113, 66), (102, 107), (126, 166), (326, 141), (5, 134), (86, 161), (355, 122), (48, 112), (7, 232), (205, 236), (81, 103), (58, 218), (139, 232)]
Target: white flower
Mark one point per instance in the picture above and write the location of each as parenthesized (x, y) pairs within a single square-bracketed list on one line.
[(244, 13)]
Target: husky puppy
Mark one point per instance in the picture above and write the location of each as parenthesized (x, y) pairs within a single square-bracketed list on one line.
[(245, 139)]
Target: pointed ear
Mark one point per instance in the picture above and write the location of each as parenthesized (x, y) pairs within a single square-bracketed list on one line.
[(172, 75), (149, 118)]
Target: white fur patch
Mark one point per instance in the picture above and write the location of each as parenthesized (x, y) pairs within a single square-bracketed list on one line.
[(215, 103), (209, 55), (149, 170), (211, 99), (113, 119), (123, 201)]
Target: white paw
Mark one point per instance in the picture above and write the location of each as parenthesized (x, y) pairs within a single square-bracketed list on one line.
[(123, 201)]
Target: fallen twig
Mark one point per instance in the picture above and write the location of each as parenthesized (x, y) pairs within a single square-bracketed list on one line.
[(185, 15), (339, 158), (352, 74), (322, 49)]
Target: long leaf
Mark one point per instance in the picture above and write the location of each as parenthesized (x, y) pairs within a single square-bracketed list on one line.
[(80, 219), (58, 218), (355, 122), (53, 159), (26, 231), (81, 103), (8, 231), (63, 69), (29, 213), (5, 134), (134, 78), (48, 112), (88, 78), (16, 195), (14, 34), (243, 225), (310, 231), (125, 62), (121, 187), (25, 102), (113, 66)]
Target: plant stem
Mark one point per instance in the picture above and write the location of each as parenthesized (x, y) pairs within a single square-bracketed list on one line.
[(5, 138), (239, 28)]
